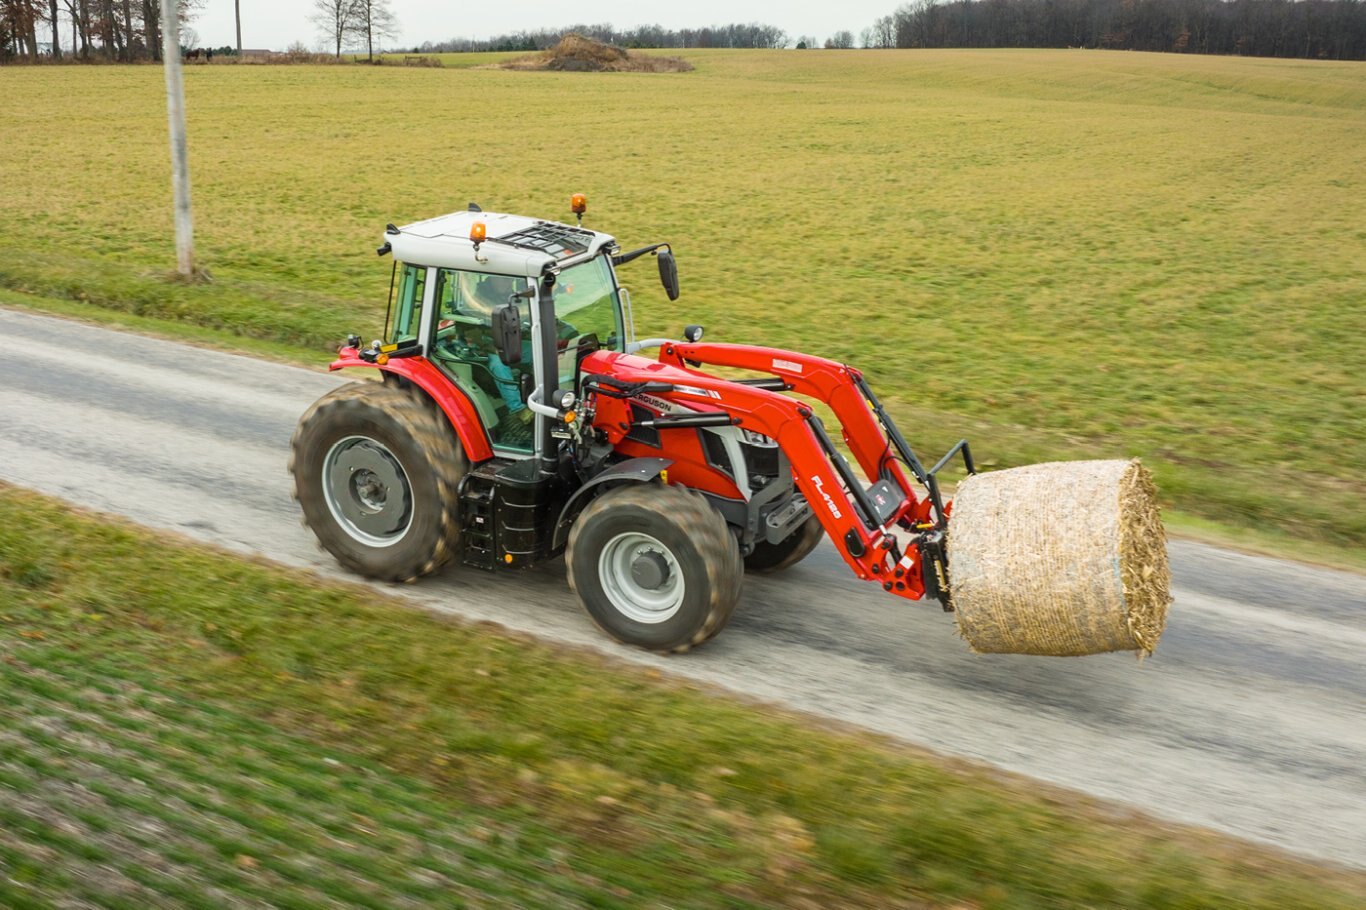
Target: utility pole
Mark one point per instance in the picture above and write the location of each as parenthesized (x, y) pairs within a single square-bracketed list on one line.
[(237, 8), (175, 115)]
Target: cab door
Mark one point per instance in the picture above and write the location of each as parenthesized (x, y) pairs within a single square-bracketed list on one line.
[(462, 346)]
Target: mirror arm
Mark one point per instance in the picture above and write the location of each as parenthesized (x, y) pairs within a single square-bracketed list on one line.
[(623, 258)]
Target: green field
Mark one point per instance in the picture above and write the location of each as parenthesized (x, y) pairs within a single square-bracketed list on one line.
[(1056, 253), (184, 729)]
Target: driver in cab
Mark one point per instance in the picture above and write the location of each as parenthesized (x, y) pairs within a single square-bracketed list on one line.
[(467, 310)]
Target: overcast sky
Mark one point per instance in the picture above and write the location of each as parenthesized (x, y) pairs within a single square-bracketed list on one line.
[(275, 24)]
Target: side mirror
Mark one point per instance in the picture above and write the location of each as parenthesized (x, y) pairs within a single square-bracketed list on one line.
[(507, 333), (668, 273)]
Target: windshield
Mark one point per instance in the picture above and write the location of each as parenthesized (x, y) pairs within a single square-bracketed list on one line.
[(586, 304)]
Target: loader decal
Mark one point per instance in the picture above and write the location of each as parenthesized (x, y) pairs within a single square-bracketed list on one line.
[(834, 509)]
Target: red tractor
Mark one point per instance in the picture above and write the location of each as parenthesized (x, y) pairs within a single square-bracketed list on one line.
[(517, 419)]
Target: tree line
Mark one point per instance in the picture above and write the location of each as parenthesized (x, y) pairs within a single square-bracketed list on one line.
[(126, 31), (735, 35), (1323, 29), (122, 30), (129, 30)]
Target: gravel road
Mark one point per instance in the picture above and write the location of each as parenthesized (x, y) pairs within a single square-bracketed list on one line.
[(1251, 717)]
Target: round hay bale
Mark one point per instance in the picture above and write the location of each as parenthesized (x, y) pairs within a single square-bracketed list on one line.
[(1062, 559)]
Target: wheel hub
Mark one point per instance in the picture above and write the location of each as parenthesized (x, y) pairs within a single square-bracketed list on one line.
[(641, 577), (650, 570), (367, 491)]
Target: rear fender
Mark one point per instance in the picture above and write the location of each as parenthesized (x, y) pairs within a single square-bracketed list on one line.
[(633, 470), (457, 407)]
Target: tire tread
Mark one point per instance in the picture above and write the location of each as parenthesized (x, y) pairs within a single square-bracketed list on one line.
[(348, 406), (703, 525)]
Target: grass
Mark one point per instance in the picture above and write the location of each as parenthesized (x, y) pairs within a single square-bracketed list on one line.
[(182, 728), (453, 61), (1057, 253)]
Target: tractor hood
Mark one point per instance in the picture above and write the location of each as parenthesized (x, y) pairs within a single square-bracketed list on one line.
[(515, 244)]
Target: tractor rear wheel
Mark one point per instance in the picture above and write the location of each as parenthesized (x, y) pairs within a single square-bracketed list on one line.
[(774, 557), (376, 473), (655, 566)]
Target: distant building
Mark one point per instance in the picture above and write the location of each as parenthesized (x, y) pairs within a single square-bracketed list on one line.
[(256, 52)]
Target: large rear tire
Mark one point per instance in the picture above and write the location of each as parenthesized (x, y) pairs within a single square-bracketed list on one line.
[(376, 472), (768, 557), (655, 566)]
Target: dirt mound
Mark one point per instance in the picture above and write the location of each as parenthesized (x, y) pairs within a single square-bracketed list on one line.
[(577, 54)]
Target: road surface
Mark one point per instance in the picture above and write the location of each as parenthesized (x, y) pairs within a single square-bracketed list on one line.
[(1250, 718)]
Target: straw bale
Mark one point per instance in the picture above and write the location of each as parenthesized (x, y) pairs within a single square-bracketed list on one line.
[(1065, 558)]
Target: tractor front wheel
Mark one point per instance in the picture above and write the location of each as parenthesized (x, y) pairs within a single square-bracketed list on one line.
[(655, 566), (376, 473)]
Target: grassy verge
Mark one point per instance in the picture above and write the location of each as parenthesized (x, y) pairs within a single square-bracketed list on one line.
[(171, 330), (183, 728)]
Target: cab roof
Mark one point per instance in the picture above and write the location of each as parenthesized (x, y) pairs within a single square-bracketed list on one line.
[(515, 244)]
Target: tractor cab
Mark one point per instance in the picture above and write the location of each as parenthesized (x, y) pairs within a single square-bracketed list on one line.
[(476, 308)]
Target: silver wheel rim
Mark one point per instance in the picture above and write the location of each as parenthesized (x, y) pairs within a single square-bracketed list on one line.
[(367, 491), (648, 605)]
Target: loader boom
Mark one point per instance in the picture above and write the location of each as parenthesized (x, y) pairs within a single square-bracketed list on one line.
[(884, 531)]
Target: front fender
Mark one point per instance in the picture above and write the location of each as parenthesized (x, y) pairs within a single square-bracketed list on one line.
[(457, 407), (633, 470)]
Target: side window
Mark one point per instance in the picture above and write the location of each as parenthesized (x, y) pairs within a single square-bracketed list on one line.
[(407, 303)]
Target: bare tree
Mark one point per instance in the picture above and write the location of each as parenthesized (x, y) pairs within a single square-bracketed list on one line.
[(151, 29), (840, 40), (882, 33), (79, 10), (335, 20), (375, 21), (56, 38), (127, 31)]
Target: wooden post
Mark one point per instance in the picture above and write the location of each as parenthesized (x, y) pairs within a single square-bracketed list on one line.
[(175, 115)]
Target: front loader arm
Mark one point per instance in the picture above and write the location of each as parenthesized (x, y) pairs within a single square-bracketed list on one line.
[(861, 529), (840, 386)]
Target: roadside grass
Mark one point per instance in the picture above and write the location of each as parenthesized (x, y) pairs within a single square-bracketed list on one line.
[(1059, 253), (184, 728), (171, 330)]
